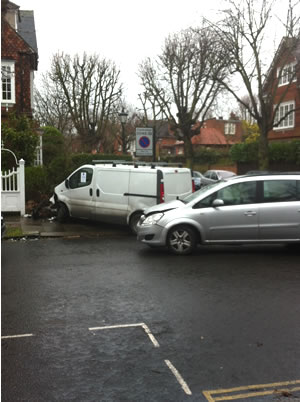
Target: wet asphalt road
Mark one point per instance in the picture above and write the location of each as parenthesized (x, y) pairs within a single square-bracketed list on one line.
[(225, 317)]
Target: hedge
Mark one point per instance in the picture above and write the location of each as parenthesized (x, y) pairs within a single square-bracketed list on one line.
[(278, 152)]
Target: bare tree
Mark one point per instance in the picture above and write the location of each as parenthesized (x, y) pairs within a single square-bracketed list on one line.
[(50, 108), (243, 32), (91, 89), (180, 84)]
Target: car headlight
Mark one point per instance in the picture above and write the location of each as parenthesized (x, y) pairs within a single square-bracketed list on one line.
[(153, 219)]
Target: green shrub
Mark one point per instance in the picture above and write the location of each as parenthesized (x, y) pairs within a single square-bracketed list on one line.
[(19, 136), (53, 145), (285, 151), (57, 171), (36, 183), (244, 152)]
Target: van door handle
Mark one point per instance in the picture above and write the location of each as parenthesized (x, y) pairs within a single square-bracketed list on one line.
[(91, 192), (98, 192)]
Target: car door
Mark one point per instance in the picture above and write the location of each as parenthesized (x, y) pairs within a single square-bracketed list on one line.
[(279, 211), (80, 193), (237, 219)]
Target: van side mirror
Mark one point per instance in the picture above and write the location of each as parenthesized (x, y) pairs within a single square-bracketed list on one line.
[(217, 203), (67, 183)]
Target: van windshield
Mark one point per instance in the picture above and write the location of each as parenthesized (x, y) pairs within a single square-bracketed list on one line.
[(195, 195)]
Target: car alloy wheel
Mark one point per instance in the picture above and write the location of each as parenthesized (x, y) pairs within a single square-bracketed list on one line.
[(181, 240)]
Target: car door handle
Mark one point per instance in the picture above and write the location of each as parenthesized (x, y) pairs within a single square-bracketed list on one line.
[(91, 191), (250, 213), (98, 192)]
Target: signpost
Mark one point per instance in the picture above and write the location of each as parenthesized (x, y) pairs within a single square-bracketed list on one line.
[(144, 142)]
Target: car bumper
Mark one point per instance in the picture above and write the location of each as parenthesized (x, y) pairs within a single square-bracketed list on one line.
[(153, 235)]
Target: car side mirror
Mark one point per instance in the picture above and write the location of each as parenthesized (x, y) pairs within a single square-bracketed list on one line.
[(217, 203), (67, 183)]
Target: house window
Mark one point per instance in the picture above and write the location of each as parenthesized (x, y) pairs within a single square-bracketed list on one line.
[(285, 112), (229, 128), (8, 81), (286, 74)]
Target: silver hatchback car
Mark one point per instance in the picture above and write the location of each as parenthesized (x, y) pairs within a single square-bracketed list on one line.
[(243, 209)]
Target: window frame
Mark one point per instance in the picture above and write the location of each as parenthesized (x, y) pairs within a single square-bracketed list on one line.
[(290, 118), (79, 172), (229, 128), (284, 72), (11, 65)]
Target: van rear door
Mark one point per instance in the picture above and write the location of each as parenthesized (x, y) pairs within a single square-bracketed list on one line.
[(177, 183), (110, 203), (142, 189)]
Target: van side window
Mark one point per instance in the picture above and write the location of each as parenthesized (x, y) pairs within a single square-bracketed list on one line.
[(81, 178), (280, 191)]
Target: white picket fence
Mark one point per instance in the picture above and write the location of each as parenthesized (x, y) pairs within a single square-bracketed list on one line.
[(13, 189)]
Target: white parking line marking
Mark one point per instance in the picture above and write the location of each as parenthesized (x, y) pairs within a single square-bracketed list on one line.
[(16, 336), (148, 332), (143, 325), (181, 381)]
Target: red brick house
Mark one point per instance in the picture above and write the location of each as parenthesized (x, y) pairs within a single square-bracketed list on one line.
[(215, 133), (282, 85), (19, 60)]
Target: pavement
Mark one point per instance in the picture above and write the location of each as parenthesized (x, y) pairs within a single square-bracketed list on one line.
[(50, 227)]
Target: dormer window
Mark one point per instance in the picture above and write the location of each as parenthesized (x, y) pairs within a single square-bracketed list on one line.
[(229, 129), (8, 82), (286, 74)]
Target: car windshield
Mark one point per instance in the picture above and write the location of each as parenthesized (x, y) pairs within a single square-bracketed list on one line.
[(196, 194)]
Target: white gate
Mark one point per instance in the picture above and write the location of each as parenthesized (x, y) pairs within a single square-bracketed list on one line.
[(13, 189)]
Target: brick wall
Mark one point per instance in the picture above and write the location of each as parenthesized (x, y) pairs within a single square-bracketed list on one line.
[(14, 48)]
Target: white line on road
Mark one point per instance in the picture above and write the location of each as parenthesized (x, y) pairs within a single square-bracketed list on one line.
[(181, 381), (152, 338), (16, 336), (143, 325)]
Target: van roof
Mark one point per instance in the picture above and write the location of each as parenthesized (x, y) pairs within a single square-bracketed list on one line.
[(144, 168), (134, 163)]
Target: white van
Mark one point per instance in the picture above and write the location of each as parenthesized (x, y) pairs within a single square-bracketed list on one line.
[(119, 192)]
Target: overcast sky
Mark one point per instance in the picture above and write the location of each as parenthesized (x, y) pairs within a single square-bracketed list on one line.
[(125, 32)]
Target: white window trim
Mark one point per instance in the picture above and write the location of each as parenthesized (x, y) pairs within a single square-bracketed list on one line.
[(11, 64), (290, 118), (229, 128), (284, 80)]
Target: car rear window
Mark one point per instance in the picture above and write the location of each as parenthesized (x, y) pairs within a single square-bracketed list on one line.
[(281, 190)]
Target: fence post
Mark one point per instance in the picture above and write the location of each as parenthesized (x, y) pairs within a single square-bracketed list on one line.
[(22, 186)]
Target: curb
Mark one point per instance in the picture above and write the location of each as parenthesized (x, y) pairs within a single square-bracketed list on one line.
[(69, 235)]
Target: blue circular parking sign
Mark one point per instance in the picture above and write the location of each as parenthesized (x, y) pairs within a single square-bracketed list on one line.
[(144, 142)]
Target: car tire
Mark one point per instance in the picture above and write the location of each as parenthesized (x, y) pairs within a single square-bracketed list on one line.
[(134, 221), (62, 213), (181, 240)]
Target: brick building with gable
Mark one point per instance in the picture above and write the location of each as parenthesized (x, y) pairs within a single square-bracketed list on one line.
[(19, 59)]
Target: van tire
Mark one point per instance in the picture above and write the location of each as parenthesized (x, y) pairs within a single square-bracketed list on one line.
[(62, 213), (134, 221), (181, 240)]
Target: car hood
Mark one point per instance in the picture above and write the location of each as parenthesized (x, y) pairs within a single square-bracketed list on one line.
[(163, 207)]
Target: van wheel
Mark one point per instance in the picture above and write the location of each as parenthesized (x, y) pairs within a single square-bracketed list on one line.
[(134, 221), (181, 240), (62, 213)]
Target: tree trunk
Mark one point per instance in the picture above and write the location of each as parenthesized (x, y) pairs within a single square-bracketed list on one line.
[(263, 150), (188, 151)]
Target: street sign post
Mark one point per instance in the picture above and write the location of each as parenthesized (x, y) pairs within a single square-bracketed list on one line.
[(144, 141)]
